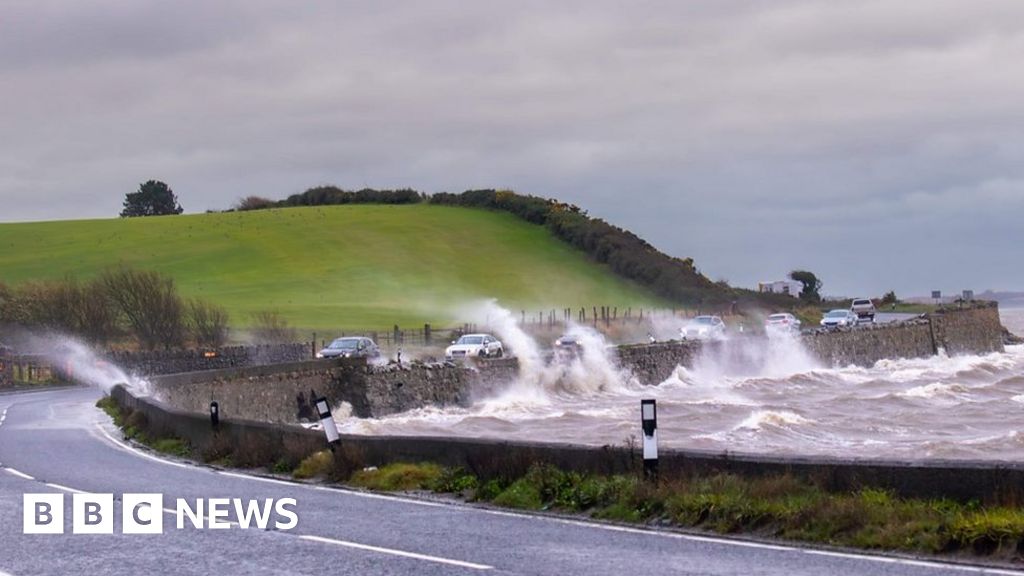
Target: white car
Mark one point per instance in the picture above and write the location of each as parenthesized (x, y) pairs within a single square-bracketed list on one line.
[(838, 318), (703, 328), (478, 345), (782, 323), (864, 308)]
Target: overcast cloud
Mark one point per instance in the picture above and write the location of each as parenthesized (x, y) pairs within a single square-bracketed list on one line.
[(879, 144)]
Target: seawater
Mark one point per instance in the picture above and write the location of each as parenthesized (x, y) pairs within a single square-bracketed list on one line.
[(767, 399)]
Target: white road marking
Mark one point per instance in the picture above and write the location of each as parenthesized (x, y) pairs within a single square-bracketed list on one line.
[(402, 553), (2, 573), (19, 474), (128, 448), (65, 488), (920, 563), (122, 446), (257, 478), (372, 496), (776, 547)]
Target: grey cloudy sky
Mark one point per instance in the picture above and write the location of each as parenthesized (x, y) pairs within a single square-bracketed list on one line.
[(880, 144)]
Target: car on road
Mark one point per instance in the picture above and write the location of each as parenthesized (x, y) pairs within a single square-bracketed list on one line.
[(782, 323), (839, 318), (703, 328), (568, 347), (350, 347), (478, 345), (864, 308)]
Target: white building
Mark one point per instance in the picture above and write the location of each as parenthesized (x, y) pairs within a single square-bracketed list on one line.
[(790, 287)]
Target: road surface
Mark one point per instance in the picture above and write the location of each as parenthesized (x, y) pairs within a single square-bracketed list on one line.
[(58, 442)]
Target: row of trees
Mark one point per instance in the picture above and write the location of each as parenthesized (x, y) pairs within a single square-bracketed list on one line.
[(119, 303), (330, 195)]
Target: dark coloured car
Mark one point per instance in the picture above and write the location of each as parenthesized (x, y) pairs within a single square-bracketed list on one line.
[(568, 347), (350, 347)]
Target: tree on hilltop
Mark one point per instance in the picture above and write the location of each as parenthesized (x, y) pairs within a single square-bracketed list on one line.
[(154, 198)]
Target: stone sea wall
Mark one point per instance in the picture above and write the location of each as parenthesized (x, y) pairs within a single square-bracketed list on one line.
[(284, 392)]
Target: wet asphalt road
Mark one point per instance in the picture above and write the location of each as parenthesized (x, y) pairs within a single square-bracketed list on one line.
[(57, 441)]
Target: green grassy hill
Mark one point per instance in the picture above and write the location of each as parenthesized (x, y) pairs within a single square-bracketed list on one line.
[(357, 266)]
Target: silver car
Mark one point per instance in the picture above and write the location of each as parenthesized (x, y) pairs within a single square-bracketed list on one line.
[(782, 323), (475, 345), (351, 347), (703, 328), (839, 318)]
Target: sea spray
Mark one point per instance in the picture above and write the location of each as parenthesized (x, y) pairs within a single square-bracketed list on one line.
[(594, 369), (738, 359), (82, 364), (590, 371)]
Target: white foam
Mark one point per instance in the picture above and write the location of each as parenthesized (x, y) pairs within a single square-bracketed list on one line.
[(760, 418), (934, 390)]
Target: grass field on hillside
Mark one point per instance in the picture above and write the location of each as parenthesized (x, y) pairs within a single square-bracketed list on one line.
[(362, 266)]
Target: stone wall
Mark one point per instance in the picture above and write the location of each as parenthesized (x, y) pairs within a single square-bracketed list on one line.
[(285, 392), (277, 393), (652, 364), (865, 345), (975, 329), (158, 362), (6, 371)]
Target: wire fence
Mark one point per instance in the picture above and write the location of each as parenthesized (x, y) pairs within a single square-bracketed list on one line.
[(595, 316)]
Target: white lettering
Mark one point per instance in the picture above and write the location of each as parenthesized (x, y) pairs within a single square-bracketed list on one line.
[(246, 514), (282, 510), (183, 509), (219, 513)]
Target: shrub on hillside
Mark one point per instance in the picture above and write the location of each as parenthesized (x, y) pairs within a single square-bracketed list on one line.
[(208, 323), (66, 305), (149, 304), (254, 203), (269, 327)]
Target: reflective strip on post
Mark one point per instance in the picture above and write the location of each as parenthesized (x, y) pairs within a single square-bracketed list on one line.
[(214, 414), (649, 422), (323, 409)]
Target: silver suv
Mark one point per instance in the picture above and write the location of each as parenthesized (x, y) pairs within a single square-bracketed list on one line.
[(863, 308)]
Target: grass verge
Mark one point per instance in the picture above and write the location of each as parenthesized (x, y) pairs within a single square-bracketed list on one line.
[(781, 507)]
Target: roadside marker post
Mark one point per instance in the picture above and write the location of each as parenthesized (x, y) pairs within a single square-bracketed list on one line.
[(649, 422), (214, 415), (323, 409)]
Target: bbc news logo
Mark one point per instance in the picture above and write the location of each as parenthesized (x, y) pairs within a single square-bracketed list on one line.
[(144, 513)]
